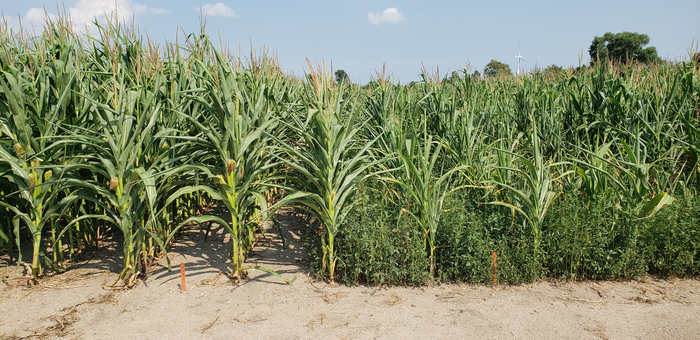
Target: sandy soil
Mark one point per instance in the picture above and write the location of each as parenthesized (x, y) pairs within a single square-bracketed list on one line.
[(77, 305)]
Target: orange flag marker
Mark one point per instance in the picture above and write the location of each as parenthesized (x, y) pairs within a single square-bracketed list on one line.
[(182, 276), (493, 266)]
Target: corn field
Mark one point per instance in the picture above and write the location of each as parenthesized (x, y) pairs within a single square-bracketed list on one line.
[(583, 174)]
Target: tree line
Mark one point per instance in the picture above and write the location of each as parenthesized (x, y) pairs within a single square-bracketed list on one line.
[(624, 47)]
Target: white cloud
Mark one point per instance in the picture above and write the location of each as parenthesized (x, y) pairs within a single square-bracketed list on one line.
[(10, 23), (390, 15), (85, 12), (33, 20), (217, 10), (160, 11), (36, 16)]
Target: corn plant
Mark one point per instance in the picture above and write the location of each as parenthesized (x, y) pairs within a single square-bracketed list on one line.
[(390, 112), (691, 146), (328, 157), (118, 154), (629, 173), (235, 128), (466, 142), (591, 181), (34, 106), (427, 185), (533, 196), (412, 159)]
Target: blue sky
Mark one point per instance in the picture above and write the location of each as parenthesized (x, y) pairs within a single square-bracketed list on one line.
[(358, 36)]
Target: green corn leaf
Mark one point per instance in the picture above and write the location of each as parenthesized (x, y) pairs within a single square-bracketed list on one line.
[(655, 204)]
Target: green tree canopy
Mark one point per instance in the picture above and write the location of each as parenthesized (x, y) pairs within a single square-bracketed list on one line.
[(625, 47), (476, 75), (553, 69), (341, 76), (453, 78), (494, 68)]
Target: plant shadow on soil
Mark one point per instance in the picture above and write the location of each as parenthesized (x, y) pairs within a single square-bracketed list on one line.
[(106, 256), (205, 252)]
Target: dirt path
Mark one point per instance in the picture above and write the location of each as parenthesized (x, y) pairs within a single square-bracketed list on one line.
[(75, 305)]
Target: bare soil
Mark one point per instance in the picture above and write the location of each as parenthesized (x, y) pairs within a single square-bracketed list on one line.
[(78, 305)]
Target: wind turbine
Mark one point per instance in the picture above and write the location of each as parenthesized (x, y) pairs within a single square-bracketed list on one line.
[(519, 57)]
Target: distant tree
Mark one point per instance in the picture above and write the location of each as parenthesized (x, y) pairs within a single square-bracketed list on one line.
[(476, 75), (453, 78), (553, 69), (494, 68), (341, 76), (624, 47), (581, 69), (370, 84)]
